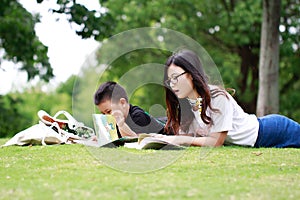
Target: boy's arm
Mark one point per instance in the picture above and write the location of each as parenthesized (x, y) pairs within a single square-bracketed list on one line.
[(124, 129)]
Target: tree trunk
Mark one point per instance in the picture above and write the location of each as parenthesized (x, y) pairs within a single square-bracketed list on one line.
[(249, 64), (268, 92)]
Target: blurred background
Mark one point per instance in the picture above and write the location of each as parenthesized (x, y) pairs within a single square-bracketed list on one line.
[(230, 31)]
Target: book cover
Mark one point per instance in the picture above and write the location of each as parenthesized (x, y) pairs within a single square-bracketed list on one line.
[(105, 128)]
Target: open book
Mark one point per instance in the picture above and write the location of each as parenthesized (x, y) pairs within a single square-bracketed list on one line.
[(143, 141), (147, 141), (107, 136)]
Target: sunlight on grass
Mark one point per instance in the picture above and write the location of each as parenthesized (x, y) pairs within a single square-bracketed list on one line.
[(72, 171)]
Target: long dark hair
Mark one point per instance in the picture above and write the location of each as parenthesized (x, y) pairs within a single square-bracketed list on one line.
[(179, 111)]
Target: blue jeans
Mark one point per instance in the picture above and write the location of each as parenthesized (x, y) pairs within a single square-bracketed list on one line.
[(278, 131)]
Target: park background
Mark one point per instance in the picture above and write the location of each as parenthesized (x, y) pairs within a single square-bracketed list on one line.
[(230, 31)]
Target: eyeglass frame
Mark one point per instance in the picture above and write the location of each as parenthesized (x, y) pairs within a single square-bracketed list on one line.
[(175, 79)]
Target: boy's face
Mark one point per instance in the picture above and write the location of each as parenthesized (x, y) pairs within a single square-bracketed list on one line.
[(108, 108)]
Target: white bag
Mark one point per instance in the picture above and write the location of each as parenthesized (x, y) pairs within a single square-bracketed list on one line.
[(38, 134), (69, 125), (51, 130)]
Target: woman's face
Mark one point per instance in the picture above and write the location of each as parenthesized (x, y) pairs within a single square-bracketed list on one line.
[(181, 85)]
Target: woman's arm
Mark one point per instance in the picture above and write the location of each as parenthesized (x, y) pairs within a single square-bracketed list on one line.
[(213, 140)]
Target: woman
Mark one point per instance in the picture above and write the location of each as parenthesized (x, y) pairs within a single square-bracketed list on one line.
[(210, 113)]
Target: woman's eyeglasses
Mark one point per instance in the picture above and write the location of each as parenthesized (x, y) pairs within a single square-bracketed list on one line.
[(173, 80)]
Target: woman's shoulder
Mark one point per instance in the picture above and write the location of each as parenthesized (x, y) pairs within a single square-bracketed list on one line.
[(218, 92), (215, 89), (220, 98)]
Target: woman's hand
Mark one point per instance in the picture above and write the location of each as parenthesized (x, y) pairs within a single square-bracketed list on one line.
[(213, 140)]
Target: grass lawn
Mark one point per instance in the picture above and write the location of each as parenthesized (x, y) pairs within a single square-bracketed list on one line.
[(74, 172)]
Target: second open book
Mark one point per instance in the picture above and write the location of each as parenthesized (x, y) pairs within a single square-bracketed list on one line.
[(149, 141)]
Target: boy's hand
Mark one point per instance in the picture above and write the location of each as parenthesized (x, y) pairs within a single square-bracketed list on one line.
[(124, 129), (120, 119)]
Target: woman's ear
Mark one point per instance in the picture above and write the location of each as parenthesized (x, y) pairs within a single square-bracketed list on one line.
[(190, 76)]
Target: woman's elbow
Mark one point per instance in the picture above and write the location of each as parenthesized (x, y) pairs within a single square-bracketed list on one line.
[(218, 144), (219, 139)]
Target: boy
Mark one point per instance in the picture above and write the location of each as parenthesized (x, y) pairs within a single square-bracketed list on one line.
[(111, 98)]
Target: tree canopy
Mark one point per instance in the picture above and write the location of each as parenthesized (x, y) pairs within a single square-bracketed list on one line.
[(19, 43), (228, 30)]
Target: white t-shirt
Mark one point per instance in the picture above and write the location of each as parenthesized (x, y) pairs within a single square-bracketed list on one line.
[(242, 127)]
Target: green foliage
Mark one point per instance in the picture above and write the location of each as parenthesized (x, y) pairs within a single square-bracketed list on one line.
[(72, 172), (224, 28), (290, 86), (289, 60), (20, 43), (93, 23), (67, 87), (228, 30), (19, 110), (83, 102), (11, 118)]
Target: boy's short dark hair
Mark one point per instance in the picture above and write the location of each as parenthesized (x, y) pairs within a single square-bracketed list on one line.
[(109, 91)]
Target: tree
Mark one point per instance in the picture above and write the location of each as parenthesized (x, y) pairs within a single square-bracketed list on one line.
[(219, 27), (228, 30), (20, 43), (268, 93)]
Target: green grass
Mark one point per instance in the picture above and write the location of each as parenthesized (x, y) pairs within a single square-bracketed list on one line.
[(73, 172)]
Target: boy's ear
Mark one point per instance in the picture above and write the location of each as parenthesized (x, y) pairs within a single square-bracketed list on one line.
[(123, 101)]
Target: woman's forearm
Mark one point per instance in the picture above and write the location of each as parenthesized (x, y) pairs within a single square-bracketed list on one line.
[(214, 140)]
